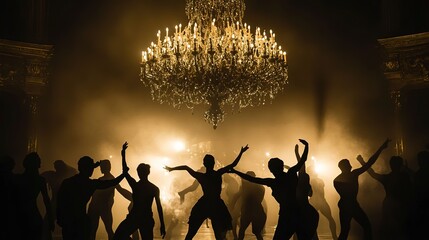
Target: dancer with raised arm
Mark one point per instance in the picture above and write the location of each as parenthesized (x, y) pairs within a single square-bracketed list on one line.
[(140, 216), (396, 204), (210, 205), (347, 186), (73, 197), (309, 219), (283, 186)]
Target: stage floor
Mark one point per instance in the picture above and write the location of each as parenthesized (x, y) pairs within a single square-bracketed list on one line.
[(206, 233)]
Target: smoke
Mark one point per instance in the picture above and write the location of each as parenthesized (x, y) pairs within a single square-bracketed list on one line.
[(336, 100)]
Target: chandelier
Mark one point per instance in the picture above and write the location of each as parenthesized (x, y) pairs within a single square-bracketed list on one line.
[(215, 60)]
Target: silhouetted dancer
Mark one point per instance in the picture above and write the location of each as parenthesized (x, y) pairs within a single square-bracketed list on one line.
[(210, 205), (129, 196), (73, 196), (318, 200), (420, 211), (396, 204), (102, 202), (347, 186), (143, 193), (8, 199), (229, 186), (30, 185), (54, 178), (309, 219), (252, 212), (284, 188)]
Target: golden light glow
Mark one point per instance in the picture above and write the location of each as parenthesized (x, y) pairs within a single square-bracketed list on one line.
[(178, 145)]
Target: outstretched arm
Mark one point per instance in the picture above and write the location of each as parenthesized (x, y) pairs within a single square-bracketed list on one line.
[(184, 167), (302, 159), (160, 214), (262, 181), (233, 164), (373, 158), (370, 171)]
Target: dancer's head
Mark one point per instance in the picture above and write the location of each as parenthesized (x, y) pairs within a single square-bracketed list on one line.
[(276, 166), (209, 161), (143, 170), (60, 166), (86, 166), (396, 163), (344, 165), (31, 161), (105, 166)]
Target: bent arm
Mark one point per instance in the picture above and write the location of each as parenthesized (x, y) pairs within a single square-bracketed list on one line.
[(235, 162), (191, 188), (302, 159), (298, 158), (370, 171), (372, 159)]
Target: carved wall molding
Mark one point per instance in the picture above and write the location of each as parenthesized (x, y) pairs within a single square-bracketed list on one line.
[(406, 60), (24, 66), (406, 66)]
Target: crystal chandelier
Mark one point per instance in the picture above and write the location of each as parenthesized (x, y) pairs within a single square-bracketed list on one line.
[(215, 60)]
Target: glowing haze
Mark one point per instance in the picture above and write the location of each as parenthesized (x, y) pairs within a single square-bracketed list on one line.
[(337, 98)]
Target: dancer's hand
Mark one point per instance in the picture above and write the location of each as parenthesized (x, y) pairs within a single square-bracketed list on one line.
[(181, 197), (162, 231), (97, 164), (360, 159), (385, 144), (124, 147), (303, 142), (168, 168), (243, 149)]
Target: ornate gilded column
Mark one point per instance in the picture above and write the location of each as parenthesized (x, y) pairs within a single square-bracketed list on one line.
[(399, 141), (27, 68), (406, 64)]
